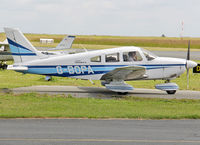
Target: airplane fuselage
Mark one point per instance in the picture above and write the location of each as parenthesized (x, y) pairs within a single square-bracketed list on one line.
[(81, 65)]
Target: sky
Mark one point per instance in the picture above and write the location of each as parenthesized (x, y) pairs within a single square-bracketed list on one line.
[(103, 17)]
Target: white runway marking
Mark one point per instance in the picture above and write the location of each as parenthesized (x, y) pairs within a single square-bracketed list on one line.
[(100, 140)]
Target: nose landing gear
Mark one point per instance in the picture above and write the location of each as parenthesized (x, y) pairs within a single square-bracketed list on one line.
[(170, 88)]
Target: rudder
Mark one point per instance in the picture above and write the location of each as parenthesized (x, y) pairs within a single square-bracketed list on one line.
[(22, 50)]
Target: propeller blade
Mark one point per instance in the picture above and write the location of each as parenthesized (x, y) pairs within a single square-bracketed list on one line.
[(187, 78), (188, 53), (188, 58)]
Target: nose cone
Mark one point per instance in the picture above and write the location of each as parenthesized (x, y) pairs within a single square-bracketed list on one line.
[(191, 64)]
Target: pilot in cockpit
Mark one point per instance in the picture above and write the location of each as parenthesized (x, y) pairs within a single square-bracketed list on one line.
[(132, 56)]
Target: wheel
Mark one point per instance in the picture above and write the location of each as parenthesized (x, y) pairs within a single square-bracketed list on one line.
[(48, 78), (122, 93), (4, 66), (171, 92)]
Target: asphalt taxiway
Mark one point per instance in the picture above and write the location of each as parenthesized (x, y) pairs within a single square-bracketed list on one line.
[(98, 132), (194, 55), (104, 93)]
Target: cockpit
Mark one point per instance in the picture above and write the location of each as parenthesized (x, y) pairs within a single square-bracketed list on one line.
[(124, 55), (137, 55), (149, 55)]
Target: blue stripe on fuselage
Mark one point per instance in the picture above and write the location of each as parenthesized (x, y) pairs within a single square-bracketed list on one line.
[(97, 69)]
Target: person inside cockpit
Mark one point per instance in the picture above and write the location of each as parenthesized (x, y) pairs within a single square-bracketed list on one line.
[(132, 56)]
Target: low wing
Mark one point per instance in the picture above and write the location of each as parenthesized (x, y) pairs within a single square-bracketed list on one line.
[(126, 73)]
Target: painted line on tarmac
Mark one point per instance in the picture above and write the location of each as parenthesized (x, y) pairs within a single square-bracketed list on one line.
[(100, 140)]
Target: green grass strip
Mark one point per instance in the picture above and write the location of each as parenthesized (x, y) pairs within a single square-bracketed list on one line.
[(37, 105)]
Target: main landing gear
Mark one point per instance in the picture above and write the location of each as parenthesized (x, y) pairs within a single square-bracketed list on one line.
[(120, 87), (48, 78), (171, 92), (122, 93)]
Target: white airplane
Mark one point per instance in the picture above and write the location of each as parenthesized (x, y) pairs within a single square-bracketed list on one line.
[(111, 66)]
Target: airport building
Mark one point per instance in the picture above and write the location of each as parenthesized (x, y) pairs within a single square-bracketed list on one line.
[(46, 41)]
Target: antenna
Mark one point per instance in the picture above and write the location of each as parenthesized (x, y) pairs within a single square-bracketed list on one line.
[(182, 28)]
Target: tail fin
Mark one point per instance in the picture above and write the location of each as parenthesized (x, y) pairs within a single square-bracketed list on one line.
[(21, 49), (66, 42)]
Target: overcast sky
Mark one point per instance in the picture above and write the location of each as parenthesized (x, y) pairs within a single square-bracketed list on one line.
[(103, 17)]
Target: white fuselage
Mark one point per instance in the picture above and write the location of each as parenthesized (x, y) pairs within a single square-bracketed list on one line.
[(82, 66)]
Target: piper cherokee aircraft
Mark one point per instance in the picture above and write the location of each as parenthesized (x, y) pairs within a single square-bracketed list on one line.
[(112, 66)]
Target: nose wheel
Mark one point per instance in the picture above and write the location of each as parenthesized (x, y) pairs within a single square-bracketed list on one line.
[(170, 88)]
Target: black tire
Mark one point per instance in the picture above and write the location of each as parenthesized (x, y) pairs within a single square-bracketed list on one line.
[(171, 92), (122, 93), (4, 66)]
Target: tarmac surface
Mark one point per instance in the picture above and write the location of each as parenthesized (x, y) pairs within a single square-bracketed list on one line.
[(99, 132), (194, 55), (98, 92)]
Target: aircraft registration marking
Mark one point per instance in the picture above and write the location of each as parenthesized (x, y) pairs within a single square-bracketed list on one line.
[(75, 69)]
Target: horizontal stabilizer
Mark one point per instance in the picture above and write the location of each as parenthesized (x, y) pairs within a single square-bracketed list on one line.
[(17, 68)]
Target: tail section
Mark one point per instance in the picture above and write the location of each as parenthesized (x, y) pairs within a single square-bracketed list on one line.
[(66, 42), (21, 49)]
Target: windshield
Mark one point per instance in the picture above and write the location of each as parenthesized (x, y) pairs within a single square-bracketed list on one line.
[(149, 55)]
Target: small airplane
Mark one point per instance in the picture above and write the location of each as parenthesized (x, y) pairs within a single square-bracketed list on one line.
[(111, 66)]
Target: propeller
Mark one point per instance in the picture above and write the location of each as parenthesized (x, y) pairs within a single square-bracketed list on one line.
[(189, 64), (188, 58)]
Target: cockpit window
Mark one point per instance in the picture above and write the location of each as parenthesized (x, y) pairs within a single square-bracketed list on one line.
[(96, 59), (149, 55), (132, 56)]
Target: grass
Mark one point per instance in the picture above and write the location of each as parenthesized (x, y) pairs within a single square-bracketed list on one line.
[(121, 41), (92, 40), (38, 105), (35, 105), (12, 79)]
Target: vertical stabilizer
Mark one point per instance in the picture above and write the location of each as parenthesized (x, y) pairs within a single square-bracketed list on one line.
[(66, 42), (21, 49)]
